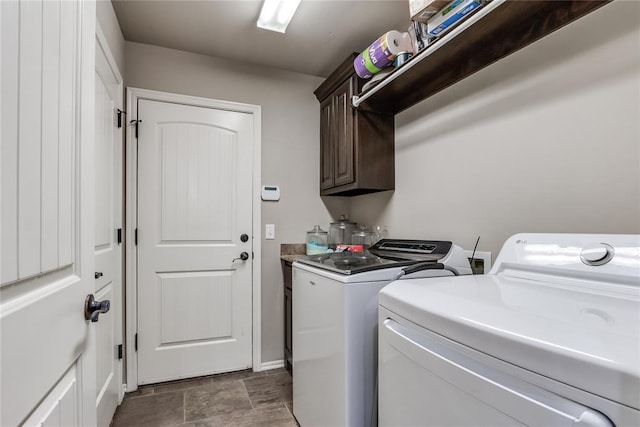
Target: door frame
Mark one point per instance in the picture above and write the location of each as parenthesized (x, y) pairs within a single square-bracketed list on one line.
[(131, 214)]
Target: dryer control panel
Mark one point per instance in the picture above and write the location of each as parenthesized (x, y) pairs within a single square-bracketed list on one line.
[(613, 258)]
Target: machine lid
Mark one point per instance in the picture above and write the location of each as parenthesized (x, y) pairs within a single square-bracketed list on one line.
[(414, 250), (352, 262), (582, 335)]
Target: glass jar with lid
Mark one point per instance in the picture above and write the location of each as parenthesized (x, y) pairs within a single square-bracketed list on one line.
[(340, 231), (363, 236), (317, 241)]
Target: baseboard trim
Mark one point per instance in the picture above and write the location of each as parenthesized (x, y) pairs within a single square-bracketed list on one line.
[(275, 364)]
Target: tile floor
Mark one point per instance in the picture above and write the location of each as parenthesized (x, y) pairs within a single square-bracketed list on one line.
[(242, 398)]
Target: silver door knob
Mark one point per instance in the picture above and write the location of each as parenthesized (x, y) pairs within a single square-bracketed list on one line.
[(93, 308)]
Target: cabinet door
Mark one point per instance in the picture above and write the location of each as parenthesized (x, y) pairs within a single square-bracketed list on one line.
[(326, 144), (343, 134)]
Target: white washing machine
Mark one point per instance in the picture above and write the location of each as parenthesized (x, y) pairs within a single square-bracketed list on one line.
[(335, 308), (550, 337)]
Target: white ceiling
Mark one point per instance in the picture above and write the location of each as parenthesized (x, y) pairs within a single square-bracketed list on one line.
[(320, 36)]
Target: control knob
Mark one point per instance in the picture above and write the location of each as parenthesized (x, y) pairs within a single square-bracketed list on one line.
[(596, 254)]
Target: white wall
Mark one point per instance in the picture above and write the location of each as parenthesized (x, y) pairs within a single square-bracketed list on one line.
[(290, 149), (106, 18), (545, 140)]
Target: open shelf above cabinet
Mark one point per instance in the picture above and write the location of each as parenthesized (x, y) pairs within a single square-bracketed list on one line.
[(493, 32)]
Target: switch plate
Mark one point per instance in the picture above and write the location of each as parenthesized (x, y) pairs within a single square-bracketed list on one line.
[(269, 231)]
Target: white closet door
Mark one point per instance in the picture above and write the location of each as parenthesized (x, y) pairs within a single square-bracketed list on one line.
[(47, 361)]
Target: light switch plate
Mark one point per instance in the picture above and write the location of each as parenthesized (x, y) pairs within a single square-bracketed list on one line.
[(269, 231)]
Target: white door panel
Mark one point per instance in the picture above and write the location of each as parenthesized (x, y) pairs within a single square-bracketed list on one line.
[(50, 133), (37, 71), (60, 407), (187, 296), (198, 183), (104, 165), (29, 134), (108, 219), (10, 50), (194, 202), (47, 360), (67, 112), (42, 336)]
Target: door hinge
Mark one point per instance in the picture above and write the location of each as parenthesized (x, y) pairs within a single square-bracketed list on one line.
[(119, 235), (135, 344), (119, 351), (136, 123), (135, 237), (120, 112), (253, 255)]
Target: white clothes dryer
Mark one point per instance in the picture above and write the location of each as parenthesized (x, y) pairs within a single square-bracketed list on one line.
[(550, 337)]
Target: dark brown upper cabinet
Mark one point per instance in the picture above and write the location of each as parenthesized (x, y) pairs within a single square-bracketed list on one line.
[(356, 146)]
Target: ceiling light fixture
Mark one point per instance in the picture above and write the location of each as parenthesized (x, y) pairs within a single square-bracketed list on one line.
[(276, 14)]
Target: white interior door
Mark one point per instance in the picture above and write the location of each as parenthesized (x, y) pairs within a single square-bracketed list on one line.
[(47, 356), (194, 203), (108, 220)]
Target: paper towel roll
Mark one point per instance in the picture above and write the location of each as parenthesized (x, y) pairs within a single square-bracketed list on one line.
[(381, 53)]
